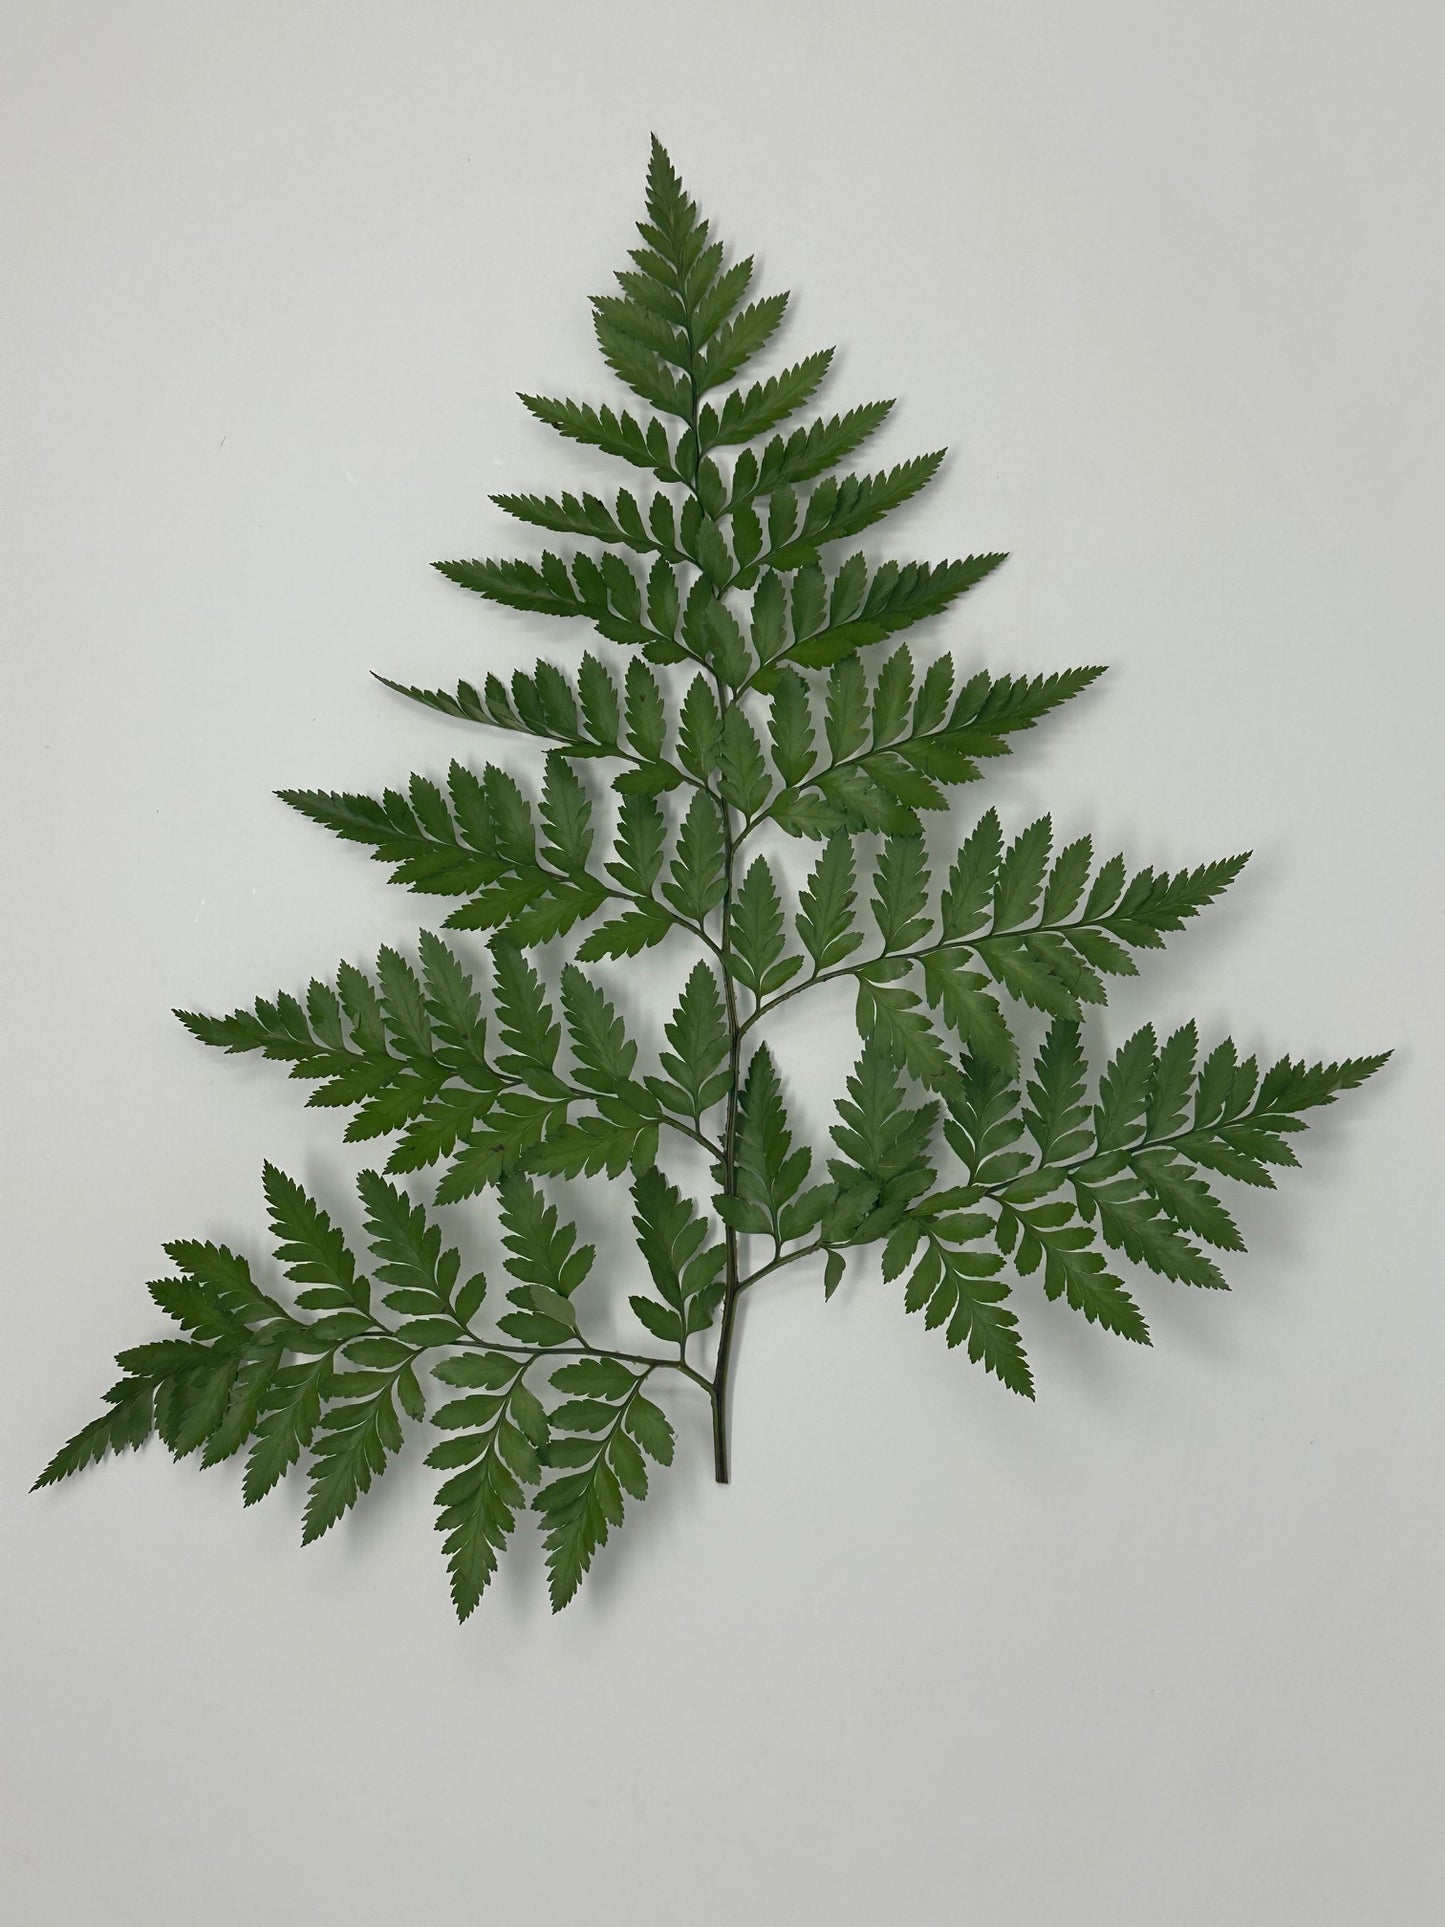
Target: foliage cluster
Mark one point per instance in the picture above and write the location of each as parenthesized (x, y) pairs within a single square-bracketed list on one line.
[(747, 728)]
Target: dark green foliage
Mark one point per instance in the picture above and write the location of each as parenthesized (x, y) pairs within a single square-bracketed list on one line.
[(768, 1172), (497, 1428), (599, 1437), (743, 707)]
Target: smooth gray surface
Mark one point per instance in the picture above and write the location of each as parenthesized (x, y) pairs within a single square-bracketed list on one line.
[(1163, 1648)]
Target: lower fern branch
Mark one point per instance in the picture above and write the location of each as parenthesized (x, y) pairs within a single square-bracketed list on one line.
[(565, 1353)]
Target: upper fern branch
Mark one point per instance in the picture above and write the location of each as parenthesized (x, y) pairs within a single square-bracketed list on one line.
[(1006, 919)]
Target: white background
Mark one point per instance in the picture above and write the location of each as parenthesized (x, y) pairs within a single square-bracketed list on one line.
[(1163, 1647)]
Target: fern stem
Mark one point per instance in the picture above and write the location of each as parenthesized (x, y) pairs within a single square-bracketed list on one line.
[(783, 1259), (916, 955), (722, 1370), (579, 1350)]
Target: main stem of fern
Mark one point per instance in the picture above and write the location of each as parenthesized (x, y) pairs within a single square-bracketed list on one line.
[(730, 1296), (722, 1369)]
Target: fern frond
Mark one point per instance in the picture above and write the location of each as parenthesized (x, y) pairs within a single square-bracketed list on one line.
[(748, 413), (830, 619), (643, 445), (835, 510), (805, 452), (744, 713)]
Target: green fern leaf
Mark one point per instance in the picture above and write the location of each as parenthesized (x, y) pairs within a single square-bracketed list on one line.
[(124, 1426), (826, 905), (1124, 1090), (901, 896), (695, 1077), (790, 728), (419, 1272), (686, 1272), (479, 1503), (311, 1249), (1057, 1116), (741, 769), (1074, 1269), (644, 446), (896, 597), (805, 452), (603, 1432), (969, 1008), (755, 934), (528, 1026), (769, 1172), (735, 342), (697, 879), (351, 1450), (837, 509), (746, 414), (743, 716), (959, 1290)]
